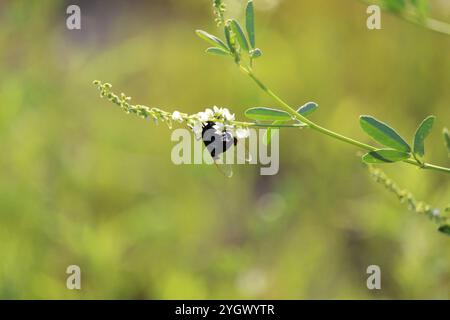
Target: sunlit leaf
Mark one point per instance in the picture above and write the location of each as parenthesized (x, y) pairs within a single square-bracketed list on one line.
[(240, 36), (385, 156), (383, 134), (217, 51), (211, 39), (305, 110), (229, 40), (267, 114), (308, 108), (421, 133), (250, 23)]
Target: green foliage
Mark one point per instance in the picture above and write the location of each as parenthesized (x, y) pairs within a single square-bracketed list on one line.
[(211, 39), (421, 133), (267, 114), (385, 156), (218, 51), (82, 183), (250, 23), (305, 110), (383, 134), (229, 38), (308, 108), (240, 36), (236, 39)]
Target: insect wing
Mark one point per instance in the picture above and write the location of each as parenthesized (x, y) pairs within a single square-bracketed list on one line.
[(225, 168)]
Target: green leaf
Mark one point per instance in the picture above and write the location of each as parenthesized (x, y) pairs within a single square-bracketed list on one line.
[(267, 114), (421, 133), (211, 39), (228, 38), (305, 110), (385, 156), (250, 23), (240, 36), (383, 134), (447, 139), (445, 229), (217, 51), (308, 108)]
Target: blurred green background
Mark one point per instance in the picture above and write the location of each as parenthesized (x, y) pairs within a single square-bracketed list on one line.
[(82, 183)]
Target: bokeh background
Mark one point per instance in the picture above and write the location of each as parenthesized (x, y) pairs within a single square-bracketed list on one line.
[(82, 183)]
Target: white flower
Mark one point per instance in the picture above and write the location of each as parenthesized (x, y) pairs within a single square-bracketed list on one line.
[(205, 116), (218, 112), (242, 133), (176, 116), (209, 112), (198, 130), (220, 127), (228, 116)]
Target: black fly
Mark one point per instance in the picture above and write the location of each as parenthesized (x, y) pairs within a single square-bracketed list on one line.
[(217, 143)]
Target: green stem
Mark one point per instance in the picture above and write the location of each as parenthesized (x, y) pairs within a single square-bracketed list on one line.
[(267, 125), (327, 132)]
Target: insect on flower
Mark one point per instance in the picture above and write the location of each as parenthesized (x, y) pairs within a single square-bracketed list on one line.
[(219, 142), (215, 128)]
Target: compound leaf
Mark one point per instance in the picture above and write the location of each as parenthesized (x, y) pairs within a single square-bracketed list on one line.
[(240, 36), (385, 156), (250, 23), (211, 39), (421, 133), (383, 134)]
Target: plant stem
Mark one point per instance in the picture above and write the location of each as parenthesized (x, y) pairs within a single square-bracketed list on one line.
[(267, 125), (327, 132)]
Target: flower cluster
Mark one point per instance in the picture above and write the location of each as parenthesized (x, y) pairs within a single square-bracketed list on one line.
[(224, 121), (219, 10), (407, 197)]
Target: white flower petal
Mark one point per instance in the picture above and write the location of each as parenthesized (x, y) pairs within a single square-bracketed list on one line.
[(219, 128), (198, 130), (242, 133), (176, 116), (228, 116), (203, 116), (209, 112)]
